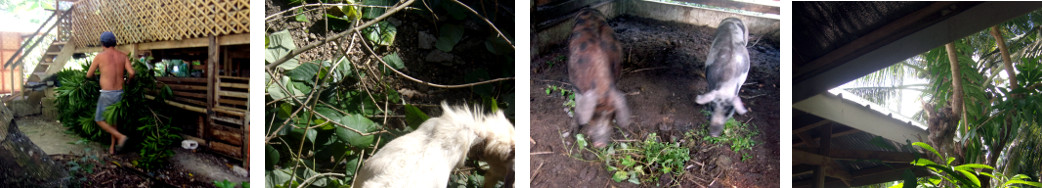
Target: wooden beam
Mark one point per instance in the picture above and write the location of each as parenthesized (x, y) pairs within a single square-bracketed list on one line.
[(211, 80), (900, 39), (231, 101), (186, 87), (189, 94), (235, 79), (813, 141), (235, 94), (195, 102), (870, 176), (235, 85), (179, 105), (811, 126), (864, 155), (823, 166), (822, 163), (228, 135), (226, 149), (236, 39), (848, 109), (802, 169), (230, 111), (174, 80)]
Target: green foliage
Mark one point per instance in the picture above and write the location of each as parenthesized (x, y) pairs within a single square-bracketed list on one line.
[(81, 167), (223, 184), (643, 162), (328, 115), (381, 33), (569, 95), (448, 36), (965, 175), (414, 117), (739, 136), (155, 149), (77, 98), (556, 60)]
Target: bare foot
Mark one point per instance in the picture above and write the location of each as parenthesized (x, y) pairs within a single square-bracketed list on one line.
[(123, 140)]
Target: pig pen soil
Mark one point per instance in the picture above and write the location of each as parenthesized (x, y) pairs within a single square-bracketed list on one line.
[(663, 72), (89, 165)]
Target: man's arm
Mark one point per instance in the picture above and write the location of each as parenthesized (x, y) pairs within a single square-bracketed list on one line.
[(93, 67), (129, 68)]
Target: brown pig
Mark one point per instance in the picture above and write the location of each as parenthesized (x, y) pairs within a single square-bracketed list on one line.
[(594, 65)]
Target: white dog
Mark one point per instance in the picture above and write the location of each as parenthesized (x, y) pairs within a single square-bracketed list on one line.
[(427, 156)]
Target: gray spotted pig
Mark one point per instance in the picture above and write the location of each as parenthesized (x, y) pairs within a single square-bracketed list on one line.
[(726, 68)]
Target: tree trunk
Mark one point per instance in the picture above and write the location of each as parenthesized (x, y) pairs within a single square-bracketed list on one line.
[(22, 163), (1005, 134), (1006, 60)]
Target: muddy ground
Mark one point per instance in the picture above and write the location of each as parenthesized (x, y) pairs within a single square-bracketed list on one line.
[(663, 73), (91, 166)]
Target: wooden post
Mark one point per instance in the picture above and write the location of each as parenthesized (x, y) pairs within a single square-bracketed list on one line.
[(825, 147), (211, 79), (246, 138)]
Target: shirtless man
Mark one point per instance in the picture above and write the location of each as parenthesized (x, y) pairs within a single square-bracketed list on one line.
[(112, 62)]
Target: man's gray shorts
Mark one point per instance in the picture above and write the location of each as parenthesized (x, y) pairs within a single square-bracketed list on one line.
[(106, 99)]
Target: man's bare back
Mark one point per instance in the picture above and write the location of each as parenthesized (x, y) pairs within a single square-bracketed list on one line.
[(112, 62)]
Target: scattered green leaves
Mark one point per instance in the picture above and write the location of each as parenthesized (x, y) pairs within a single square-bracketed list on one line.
[(448, 36), (381, 33), (414, 117), (739, 136)]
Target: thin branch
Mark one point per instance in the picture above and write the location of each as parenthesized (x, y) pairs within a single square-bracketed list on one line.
[(301, 50), (486, 21), (429, 83), (308, 181), (324, 5)]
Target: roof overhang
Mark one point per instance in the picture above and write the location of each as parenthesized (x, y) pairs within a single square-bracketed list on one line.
[(898, 40)]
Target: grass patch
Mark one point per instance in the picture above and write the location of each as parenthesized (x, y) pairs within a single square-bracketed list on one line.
[(739, 136), (641, 162), (569, 95)]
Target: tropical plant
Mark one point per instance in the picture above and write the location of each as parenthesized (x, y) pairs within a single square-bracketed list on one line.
[(77, 98), (965, 175), (1001, 100), (326, 116)]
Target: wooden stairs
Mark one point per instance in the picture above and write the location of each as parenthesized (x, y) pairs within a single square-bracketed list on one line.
[(53, 61)]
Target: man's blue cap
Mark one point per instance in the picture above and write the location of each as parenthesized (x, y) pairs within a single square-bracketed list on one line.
[(108, 39)]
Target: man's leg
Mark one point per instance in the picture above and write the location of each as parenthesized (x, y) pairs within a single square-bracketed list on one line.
[(112, 144), (115, 135)]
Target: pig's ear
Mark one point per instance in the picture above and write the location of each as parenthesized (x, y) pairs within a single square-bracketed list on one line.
[(584, 105), (622, 111), (738, 106), (705, 98)]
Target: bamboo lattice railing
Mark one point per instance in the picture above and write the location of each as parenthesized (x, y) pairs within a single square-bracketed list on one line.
[(153, 20)]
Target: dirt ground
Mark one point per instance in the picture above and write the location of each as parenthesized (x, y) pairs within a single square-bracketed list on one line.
[(663, 73), (186, 168)]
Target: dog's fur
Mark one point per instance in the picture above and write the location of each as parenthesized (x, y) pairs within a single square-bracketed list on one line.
[(427, 156)]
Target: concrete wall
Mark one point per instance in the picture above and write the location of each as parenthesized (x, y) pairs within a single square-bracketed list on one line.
[(558, 34), (757, 25)]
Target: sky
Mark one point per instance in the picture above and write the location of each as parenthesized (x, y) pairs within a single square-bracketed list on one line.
[(23, 19)]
